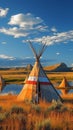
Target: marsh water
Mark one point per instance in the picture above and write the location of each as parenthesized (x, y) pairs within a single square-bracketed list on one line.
[(12, 88), (15, 88)]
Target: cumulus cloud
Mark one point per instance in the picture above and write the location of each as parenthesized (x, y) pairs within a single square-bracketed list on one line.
[(22, 25), (15, 31), (53, 29), (3, 12), (42, 28), (72, 65), (3, 42), (25, 20), (2, 56), (57, 53), (58, 38)]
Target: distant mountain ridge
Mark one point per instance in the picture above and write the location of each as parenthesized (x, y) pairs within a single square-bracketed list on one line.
[(26, 63), (18, 62), (61, 67)]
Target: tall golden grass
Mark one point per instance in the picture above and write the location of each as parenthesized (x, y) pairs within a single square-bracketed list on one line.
[(16, 115)]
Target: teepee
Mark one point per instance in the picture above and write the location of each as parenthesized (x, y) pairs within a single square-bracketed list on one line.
[(38, 86), (2, 83), (64, 86)]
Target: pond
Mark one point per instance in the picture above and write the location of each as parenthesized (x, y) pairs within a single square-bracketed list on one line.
[(70, 91), (12, 88), (15, 88)]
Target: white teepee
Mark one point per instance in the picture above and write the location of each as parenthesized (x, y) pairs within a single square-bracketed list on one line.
[(38, 86), (64, 86), (2, 83)]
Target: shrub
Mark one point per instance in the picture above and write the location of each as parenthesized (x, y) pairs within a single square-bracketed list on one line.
[(16, 109), (56, 105), (36, 108), (1, 108), (50, 108), (64, 109), (7, 114), (43, 125), (2, 116), (59, 105)]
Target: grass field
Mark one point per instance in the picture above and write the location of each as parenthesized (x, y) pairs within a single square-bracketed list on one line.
[(16, 115), (18, 75), (58, 76)]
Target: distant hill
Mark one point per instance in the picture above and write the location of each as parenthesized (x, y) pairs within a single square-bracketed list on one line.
[(62, 67), (29, 67), (71, 69)]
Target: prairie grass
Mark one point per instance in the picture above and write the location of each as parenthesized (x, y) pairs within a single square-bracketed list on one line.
[(16, 115), (18, 75), (27, 116)]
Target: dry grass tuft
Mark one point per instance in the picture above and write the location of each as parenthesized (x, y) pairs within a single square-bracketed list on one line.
[(27, 116)]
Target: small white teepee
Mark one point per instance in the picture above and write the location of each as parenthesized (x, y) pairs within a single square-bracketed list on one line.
[(64, 86), (38, 86), (2, 83)]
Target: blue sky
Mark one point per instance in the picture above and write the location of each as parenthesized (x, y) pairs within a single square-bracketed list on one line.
[(50, 21)]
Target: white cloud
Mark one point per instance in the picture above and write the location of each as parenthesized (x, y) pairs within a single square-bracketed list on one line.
[(42, 28), (53, 29), (2, 56), (25, 20), (28, 57), (16, 32), (57, 53), (58, 38), (72, 65), (3, 42), (3, 12), (24, 25), (72, 40)]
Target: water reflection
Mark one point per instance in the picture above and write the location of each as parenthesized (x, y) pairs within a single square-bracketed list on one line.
[(12, 88), (15, 88), (59, 90)]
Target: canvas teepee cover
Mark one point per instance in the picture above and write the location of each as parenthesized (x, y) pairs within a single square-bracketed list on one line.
[(38, 83), (64, 86)]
